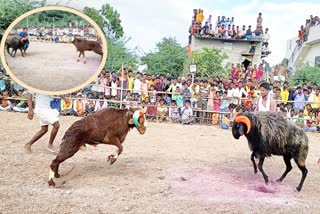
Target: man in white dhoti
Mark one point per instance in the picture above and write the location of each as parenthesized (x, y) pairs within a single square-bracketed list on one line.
[(46, 115)]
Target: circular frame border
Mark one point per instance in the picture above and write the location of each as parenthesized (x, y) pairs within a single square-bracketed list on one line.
[(48, 8)]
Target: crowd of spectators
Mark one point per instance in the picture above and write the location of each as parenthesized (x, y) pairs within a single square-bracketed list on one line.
[(225, 28), (303, 32), (57, 34), (203, 100)]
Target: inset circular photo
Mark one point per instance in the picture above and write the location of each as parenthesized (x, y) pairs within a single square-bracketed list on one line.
[(53, 50)]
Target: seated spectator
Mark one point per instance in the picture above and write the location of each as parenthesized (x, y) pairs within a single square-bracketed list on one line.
[(66, 106), (211, 31), (310, 122), (257, 34), (101, 104), (265, 49), (229, 32), (174, 112), (205, 29), (162, 110), (186, 113), (79, 106), (91, 104), (222, 32), (5, 104), (248, 33), (277, 95), (242, 32), (21, 105), (225, 122), (56, 104), (151, 109)]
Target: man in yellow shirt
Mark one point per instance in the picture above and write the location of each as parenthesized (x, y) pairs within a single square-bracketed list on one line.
[(316, 103), (284, 92), (130, 80)]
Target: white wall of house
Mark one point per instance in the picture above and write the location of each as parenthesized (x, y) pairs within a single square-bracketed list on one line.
[(233, 49), (291, 44), (312, 53)]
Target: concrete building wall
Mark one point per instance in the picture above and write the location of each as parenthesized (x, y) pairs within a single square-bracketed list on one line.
[(232, 48), (312, 53)]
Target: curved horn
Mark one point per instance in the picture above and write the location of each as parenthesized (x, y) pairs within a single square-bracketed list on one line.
[(245, 120)]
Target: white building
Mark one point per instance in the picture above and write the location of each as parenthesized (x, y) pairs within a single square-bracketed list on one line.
[(309, 52), (237, 50)]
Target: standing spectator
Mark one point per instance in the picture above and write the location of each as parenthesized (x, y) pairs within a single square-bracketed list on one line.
[(130, 80), (265, 101), (177, 97), (284, 92), (265, 37), (204, 93), (186, 92), (195, 93), (298, 100), (259, 20), (209, 20), (157, 85), (56, 104)]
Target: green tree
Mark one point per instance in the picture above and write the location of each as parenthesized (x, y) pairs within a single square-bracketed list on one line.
[(108, 19), (12, 9), (118, 54), (306, 74), (209, 62), (168, 57)]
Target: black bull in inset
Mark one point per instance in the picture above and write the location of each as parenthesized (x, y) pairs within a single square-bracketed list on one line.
[(16, 43)]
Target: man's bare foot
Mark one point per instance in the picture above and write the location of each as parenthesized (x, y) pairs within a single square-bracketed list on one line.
[(27, 148), (52, 149)]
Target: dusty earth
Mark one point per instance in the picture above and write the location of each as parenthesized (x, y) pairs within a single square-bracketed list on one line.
[(171, 169), (53, 66)]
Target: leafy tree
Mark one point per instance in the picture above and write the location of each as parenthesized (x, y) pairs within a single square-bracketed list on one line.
[(108, 19), (12, 9), (118, 54), (306, 74), (209, 62), (168, 57)]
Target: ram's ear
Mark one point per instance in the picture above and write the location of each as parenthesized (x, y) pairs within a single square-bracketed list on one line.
[(130, 121)]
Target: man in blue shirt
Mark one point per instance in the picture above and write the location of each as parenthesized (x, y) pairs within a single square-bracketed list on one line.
[(24, 34)]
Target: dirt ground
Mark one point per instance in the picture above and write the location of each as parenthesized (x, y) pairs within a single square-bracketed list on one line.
[(170, 169), (45, 62)]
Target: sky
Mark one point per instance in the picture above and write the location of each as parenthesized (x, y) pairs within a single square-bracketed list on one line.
[(148, 21)]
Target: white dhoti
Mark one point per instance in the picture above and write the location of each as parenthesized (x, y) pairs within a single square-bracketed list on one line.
[(47, 116)]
